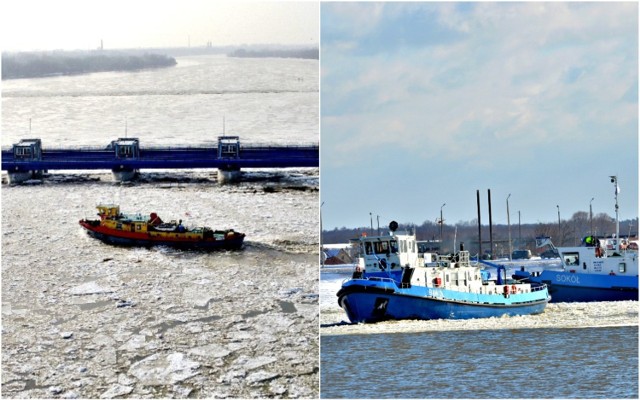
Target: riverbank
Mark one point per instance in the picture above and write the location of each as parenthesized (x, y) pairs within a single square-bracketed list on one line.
[(43, 64)]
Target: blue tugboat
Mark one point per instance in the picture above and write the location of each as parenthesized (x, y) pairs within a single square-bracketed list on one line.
[(593, 271), (392, 282)]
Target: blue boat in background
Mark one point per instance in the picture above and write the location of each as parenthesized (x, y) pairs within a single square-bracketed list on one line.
[(391, 282), (588, 273), (598, 270)]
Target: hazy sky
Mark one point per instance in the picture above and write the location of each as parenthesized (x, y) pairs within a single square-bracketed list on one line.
[(423, 103), (81, 24)]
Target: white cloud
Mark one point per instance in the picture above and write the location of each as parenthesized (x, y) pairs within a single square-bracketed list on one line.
[(504, 90)]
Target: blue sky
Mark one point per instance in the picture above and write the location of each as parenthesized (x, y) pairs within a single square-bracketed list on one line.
[(424, 103)]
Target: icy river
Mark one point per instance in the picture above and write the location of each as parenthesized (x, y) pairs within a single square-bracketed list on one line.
[(571, 350), (82, 319)]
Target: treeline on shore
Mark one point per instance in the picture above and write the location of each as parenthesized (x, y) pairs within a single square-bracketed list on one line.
[(290, 53), (567, 233), (41, 64)]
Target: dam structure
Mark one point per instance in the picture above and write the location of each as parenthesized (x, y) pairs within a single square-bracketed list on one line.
[(125, 157)]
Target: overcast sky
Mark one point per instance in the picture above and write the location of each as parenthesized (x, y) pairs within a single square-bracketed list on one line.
[(423, 103), (81, 24)]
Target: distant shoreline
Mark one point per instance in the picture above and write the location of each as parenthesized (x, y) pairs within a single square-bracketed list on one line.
[(313, 54), (42, 64), (58, 63)]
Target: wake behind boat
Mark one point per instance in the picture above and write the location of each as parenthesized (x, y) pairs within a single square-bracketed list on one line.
[(392, 282), (114, 227)]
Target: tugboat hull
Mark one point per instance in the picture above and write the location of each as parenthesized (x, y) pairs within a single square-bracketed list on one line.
[(392, 282), (133, 239), (232, 244), (364, 303)]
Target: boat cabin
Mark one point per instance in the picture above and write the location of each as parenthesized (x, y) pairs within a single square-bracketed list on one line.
[(593, 261), (108, 211), (593, 257), (392, 251)]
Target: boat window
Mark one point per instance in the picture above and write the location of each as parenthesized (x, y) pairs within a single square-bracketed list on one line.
[(394, 246), (381, 247), (622, 267), (571, 258), (367, 247)]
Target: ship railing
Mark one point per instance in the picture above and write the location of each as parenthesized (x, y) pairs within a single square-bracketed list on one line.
[(536, 287), (443, 260), (192, 146), (381, 279), (374, 279)]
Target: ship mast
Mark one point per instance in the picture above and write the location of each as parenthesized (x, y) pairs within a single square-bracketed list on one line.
[(614, 180)]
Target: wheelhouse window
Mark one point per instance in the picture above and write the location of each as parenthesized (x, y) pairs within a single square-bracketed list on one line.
[(381, 247), (367, 248), (571, 258)]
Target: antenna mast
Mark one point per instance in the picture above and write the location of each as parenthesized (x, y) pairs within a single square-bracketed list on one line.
[(614, 180)]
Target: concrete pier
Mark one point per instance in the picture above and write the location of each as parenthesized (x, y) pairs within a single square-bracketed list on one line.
[(229, 175), (124, 175), (22, 176)]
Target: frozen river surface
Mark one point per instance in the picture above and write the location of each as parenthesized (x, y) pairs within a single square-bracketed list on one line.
[(82, 319)]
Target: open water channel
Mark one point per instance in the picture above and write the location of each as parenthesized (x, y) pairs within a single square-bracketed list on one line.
[(571, 350)]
